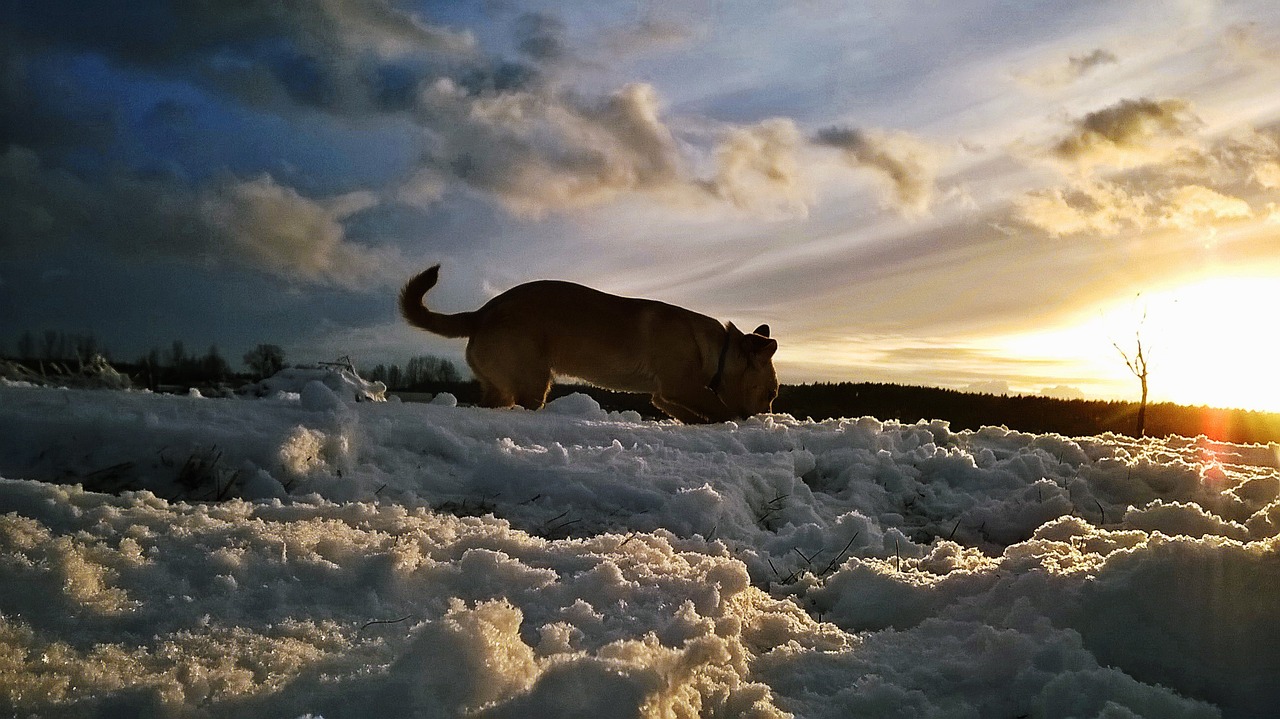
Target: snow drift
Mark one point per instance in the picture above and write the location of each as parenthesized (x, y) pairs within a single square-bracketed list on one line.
[(388, 559)]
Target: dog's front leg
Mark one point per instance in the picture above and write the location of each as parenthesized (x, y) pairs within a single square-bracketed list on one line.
[(684, 415), (693, 405)]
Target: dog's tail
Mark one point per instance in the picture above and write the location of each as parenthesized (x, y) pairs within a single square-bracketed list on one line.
[(416, 314)]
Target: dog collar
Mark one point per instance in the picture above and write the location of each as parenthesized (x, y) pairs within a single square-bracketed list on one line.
[(718, 377)]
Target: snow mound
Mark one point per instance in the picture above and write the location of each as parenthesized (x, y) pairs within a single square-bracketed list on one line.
[(342, 382), (576, 405), (402, 559)]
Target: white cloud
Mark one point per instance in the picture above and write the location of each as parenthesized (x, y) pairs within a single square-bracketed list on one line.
[(1193, 206), (1093, 206), (277, 229), (756, 166)]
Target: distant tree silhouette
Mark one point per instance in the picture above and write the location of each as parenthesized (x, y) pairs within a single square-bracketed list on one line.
[(27, 346), (214, 367), (51, 349), (264, 360), (418, 374)]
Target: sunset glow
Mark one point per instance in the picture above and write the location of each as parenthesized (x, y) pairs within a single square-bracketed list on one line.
[(1213, 342), (1208, 342)]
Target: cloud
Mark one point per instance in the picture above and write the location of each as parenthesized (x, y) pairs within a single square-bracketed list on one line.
[(1248, 44), (424, 189), (339, 55), (258, 223), (1193, 207), (537, 150), (157, 33), (756, 166), (649, 35), (276, 229), (1092, 206), (509, 129), (907, 163), (1129, 134), (1167, 175), (997, 387), (1076, 67), (1244, 157), (540, 37), (1109, 208), (1063, 391)]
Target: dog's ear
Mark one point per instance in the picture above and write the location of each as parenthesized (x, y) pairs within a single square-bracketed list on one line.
[(762, 330), (766, 352), (760, 348)]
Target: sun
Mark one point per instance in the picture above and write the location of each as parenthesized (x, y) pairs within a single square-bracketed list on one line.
[(1210, 342)]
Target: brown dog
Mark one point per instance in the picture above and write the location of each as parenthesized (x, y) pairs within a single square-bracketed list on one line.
[(696, 369)]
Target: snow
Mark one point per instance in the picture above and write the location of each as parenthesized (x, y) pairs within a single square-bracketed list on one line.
[(373, 558)]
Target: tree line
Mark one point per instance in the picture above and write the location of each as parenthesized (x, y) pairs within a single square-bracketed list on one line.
[(178, 366), (964, 410), (419, 374)]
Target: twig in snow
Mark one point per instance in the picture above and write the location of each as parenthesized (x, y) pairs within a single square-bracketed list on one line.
[(781, 579), (372, 622), (836, 560), (807, 560)]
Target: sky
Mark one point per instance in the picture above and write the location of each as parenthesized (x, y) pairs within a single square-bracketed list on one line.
[(982, 195)]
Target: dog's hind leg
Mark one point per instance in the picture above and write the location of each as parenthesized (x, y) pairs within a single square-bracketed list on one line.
[(532, 386), (493, 391), (491, 395)]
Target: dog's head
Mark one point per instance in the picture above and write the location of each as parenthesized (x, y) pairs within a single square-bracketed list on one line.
[(749, 383)]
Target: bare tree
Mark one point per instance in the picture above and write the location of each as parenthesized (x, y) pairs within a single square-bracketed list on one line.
[(264, 360), (1137, 364)]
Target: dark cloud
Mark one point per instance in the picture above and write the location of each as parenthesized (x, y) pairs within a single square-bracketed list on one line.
[(1080, 64), (1075, 67), (540, 37), (1129, 133), (255, 223), (339, 56), (162, 33), (541, 150), (41, 108), (910, 166)]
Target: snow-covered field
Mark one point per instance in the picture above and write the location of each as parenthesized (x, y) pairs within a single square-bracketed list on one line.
[(379, 559)]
